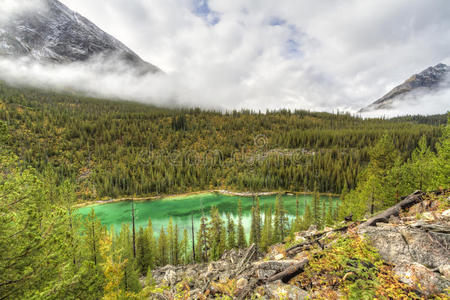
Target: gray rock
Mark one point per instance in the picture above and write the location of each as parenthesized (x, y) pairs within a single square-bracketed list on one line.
[(445, 271), (171, 277), (278, 290), (421, 278), (398, 244)]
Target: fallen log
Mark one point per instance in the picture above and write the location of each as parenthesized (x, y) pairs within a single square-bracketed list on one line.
[(248, 256), (248, 289), (290, 272), (395, 210), (316, 239)]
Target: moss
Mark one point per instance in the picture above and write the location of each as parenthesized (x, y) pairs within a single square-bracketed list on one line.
[(350, 269)]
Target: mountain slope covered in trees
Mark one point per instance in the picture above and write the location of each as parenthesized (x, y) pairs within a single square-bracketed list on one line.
[(113, 149), (55, 255)]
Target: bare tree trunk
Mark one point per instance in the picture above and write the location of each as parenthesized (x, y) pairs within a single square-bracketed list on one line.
[(134, 229), (193, 237), (93, 243)]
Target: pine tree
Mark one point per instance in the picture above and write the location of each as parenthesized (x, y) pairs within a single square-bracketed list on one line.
[(378, 188), (441, 177), (124, 248), (276, 238), (241, 241), (163, 248), (142, 252), (231, 232), (308, 218), (216, 234), (266, 234), (151, 244), (93, 233), (421, 167), (329, 217), (171, 240), (184, 247), (316, 206), (203, 244), (176, 246)]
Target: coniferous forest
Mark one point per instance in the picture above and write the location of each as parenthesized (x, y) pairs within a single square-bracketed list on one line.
[(59, 150)]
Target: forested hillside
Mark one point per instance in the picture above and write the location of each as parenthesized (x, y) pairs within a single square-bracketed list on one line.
[(58, 150), (117, 148)]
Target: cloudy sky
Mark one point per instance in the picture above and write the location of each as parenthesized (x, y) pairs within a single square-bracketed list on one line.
[(266, 54)]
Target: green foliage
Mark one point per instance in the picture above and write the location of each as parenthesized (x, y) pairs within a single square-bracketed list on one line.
[(350, 268), (241, 241), (115, 149), (231, 244), (441, 162)]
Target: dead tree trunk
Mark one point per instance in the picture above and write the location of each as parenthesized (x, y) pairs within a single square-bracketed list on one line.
[(290, 272), (395, 210)]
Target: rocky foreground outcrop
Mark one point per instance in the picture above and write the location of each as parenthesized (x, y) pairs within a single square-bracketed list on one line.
[(418, 244), (413, 240)]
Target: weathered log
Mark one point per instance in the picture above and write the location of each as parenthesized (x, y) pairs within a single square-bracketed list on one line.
[(318, 236), (290, 272), (248, 256), (395, 210), (248, 289)]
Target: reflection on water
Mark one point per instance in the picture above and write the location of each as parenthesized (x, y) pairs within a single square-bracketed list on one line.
[(181, 208)]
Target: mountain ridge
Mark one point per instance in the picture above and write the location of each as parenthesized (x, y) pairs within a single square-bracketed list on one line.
[(430, 80), (56, 34)]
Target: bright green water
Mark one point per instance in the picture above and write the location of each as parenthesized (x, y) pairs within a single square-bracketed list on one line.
[(181, 208)]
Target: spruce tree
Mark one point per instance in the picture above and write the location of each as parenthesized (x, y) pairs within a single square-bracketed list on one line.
[(216, 234), (184, 247), (316, 206), (277, 222), (241, 241), (203, 243), (231, 243), (152, 247), (142, 252), (163, 248), (171, 241)]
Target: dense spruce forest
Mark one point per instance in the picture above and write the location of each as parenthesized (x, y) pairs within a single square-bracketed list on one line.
[(59, 150), (117, 148)]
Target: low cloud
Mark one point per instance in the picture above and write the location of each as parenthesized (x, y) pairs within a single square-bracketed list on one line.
[(9, 8), (259, 55)]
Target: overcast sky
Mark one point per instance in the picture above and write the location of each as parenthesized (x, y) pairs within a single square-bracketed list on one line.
[(259, 54)]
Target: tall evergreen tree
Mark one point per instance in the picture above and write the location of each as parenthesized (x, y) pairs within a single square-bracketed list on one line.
[(143, 257), (231, 244), (163, 248), (151, 244), (216, 234), (203, 244), (241, 241)]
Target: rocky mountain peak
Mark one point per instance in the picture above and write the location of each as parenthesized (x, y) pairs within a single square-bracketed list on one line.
[(53, 33), (429, 80)]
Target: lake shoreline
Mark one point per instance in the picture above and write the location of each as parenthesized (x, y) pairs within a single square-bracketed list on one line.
[(222, 192)]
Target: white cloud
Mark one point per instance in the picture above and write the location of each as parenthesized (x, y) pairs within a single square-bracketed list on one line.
[(11, 7), (347, 53)]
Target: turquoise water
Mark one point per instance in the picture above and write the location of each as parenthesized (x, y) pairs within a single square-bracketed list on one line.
[(181, 208)]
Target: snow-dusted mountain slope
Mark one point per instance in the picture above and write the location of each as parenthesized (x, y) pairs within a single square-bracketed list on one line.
[(428, 81), (54, 33)]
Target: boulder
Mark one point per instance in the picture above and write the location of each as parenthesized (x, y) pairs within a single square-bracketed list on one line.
[(241, 283), (445, 271), (446, 214), (171, 277), (279, 256), (421, 278), (398, 244), (278, 290)]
